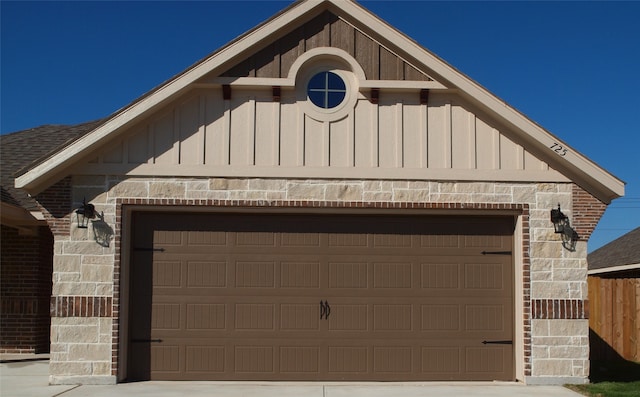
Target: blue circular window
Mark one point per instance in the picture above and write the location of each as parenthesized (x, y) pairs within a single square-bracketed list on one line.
[(326, 90)]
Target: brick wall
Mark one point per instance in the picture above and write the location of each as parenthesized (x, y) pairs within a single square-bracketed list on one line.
[(55, 203), (587, 211), (25, 281)]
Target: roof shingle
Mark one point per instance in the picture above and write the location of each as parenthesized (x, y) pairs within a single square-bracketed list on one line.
[(622, 251), (21, 149)]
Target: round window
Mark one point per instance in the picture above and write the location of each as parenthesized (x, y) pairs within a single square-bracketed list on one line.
[(326, 90)]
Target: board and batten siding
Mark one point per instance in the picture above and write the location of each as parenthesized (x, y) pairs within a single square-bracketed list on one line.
[(327, 30), (206, 135)]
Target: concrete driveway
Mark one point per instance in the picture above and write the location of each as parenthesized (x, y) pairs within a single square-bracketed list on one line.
[(30, 379)]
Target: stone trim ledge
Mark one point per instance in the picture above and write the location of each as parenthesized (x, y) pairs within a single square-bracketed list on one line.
[(559, 309), (555, 380), (82, 380), (81, 306)]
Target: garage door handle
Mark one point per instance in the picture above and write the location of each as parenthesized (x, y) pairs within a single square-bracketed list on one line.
[(497, 342), (146, 340), (325, 310)]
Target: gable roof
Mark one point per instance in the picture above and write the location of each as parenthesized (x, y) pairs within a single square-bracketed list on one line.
[(573, 165), (621, 254)]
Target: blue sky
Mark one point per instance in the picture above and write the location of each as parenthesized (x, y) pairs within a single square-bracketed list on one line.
[(570, 66)]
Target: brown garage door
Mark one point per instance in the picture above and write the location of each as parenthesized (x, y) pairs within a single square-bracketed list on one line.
[(321, 297)]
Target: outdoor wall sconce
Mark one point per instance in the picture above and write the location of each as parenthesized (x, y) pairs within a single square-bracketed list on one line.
[(84, 213), (102, 232), (562, 226)]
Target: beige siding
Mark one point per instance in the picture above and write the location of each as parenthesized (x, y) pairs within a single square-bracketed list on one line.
[(414, 130), (487, 139), (162, 131), (267, 133), (341, 143), (439, 134), (291, 137), (205, 135), (189, 120), (315, 143), (366, 143), (216, 128)]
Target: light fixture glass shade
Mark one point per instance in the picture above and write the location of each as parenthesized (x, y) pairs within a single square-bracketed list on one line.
[(84, 214)]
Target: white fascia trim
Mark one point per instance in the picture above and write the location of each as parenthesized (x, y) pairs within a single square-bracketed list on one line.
[(539, 136), (612, 269)]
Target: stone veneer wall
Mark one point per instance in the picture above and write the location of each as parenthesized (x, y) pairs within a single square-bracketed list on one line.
[(85, 339)]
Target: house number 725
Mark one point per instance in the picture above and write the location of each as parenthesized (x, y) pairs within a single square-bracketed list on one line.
[(561, 150)]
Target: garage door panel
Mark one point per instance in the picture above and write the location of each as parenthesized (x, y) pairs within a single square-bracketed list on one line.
[(486, 276), (392, 274), (349, 240), (206, 274), (254, 359), (316, 297), (168, 238), (442, 361), (348, 274), (392, 317), (166, 358), (300, 274), (167, 274), (343, 360), (485, 318), (393, 360), (299, 359), (440, 276), (440, 317), (254, 316), (254, 274), (206, 238), (486, 360), (254, 239), (348, 317), (485, 242), (166, 316), (300, 316), (310, 240), (442, 241), (206, 316), (205, 359)]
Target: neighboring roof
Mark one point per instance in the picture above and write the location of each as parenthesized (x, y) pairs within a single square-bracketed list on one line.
[(573, 165), (19, 150), (621, 254)]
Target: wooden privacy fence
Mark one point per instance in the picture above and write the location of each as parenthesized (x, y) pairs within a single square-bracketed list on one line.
[(614, 305)]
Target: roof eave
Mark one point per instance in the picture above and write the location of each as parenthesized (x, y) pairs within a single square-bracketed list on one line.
[(614, 269)]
